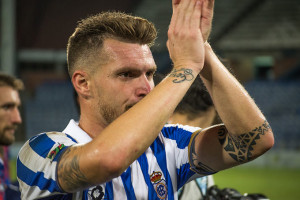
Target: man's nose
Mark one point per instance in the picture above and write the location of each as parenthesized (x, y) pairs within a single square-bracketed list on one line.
[(145, 86), (16, 116)]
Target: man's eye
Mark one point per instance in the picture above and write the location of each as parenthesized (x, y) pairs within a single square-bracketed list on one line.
[(125, 74), (128, 74), (7, 107)]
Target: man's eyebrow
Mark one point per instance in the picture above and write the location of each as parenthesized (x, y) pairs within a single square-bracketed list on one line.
[(10, 104), (153, 69), (127, 69), (134, 69)]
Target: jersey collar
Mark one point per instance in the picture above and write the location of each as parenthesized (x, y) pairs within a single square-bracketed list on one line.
[(77, 133)]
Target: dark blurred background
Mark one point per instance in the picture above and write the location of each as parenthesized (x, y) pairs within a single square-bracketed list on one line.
[(258, 40)]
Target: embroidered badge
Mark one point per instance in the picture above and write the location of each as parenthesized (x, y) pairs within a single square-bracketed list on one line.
[(159, 185), (53, 153)]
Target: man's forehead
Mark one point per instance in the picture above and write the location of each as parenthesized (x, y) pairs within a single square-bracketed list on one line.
[(9, 94), (128, 55), (116, 48)]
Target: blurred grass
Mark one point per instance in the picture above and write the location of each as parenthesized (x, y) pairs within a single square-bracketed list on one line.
[(13, 170), (276, 184)]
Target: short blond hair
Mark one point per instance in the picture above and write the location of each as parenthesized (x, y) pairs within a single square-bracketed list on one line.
[(87, 40)]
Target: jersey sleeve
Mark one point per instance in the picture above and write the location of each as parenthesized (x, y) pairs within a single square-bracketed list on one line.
[(177, 138), (37, 163)]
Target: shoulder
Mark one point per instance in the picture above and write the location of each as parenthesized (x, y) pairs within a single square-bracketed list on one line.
[(181, 134), (47, 136), (42, 143), (177, 130), (180, 128), (37, 163)]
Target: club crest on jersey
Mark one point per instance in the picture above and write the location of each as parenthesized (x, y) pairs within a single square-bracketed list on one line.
[(53, 153), (159, 185)]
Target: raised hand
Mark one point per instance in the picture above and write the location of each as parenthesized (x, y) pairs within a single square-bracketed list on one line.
[(206, 18), (185, 40)]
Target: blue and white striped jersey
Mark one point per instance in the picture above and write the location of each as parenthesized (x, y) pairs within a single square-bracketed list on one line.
[(157, 174)]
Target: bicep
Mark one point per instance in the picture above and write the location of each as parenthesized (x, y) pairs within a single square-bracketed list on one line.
[(82, 166), (216, 149), (69, 173), (208, 152)]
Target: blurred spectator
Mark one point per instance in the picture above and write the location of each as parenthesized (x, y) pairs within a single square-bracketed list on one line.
[(9, 120)]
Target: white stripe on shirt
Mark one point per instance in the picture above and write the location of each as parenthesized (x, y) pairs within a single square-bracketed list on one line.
[(138, 181), (118, 188)]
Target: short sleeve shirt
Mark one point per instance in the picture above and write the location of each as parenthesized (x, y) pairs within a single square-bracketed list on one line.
[(157, 174)]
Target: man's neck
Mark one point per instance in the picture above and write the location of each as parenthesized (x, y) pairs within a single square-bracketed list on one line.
[(91, 126)]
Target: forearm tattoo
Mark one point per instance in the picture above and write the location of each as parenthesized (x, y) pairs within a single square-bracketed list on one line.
[(240, 148), (196, 165), (182, 75), (69, 172)]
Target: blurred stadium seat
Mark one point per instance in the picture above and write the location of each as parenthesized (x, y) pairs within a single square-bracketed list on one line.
[(51, 108), (280, 102)]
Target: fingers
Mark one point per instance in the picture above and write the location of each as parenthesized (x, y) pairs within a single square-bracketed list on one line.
[(175, 2), (185, 11), (207, 8), (206, 18), (186, 15), (208, 4), (185, 40), (195, 22)]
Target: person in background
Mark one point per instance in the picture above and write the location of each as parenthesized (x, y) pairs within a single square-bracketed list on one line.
[(10, 118), (195, 109), (121, 148)]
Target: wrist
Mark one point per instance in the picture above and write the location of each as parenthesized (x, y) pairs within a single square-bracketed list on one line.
[(207, 45), (196, 67), (183, 74), (210, 56)]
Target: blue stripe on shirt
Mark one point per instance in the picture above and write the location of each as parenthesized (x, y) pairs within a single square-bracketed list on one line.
[(180, 135), (35, 178), (183, 176), (126, 179), (71, 138), (160, 154), (143, 161), (182, 138), (109, 191), (41, 144)]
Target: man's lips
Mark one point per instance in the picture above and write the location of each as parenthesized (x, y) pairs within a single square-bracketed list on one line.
[(11, 130)]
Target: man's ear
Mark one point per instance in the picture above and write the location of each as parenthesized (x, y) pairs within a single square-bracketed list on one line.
[(81, 83)]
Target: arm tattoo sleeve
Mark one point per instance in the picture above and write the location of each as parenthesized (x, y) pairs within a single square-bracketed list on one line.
[(70, 173), (182, 75), (240, 147), (197, 166)]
